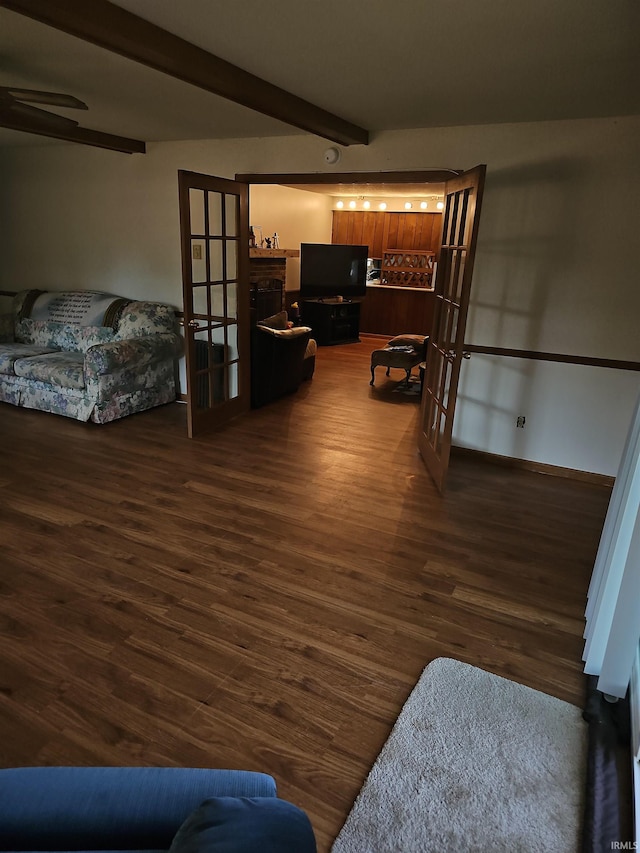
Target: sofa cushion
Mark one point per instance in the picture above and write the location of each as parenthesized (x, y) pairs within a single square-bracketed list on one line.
[(65, 369), (245, 825), (63, 336), (145, 318), (10, 353), (418, 342), (276, 321)]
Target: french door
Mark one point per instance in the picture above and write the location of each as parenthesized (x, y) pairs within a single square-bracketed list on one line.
[(214, 230), (463, 198)]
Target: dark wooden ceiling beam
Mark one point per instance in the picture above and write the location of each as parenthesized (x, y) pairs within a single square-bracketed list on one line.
[(106, 25), (75, 134)]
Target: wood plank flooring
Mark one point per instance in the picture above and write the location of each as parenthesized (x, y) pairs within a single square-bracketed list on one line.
[(267, 597)]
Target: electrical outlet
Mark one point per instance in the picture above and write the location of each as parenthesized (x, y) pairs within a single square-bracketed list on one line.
[(196, 252), (520, 421)]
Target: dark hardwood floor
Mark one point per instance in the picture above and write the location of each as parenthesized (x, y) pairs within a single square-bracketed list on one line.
[(267, 597)]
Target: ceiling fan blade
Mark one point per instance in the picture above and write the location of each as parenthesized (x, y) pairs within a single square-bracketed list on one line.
[(55, 99), (36, 115)]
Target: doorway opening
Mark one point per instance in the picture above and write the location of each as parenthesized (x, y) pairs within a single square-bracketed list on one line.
[(396, 214), (456, 250)]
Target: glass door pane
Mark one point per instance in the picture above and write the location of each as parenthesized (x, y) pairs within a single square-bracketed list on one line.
[(215, 235)]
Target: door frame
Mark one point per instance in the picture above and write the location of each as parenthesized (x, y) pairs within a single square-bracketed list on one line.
[(211, 413), (446, 349), (368, 181), (426, 176)]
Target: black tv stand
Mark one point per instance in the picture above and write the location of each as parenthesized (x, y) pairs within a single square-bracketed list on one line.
[(333, 322)]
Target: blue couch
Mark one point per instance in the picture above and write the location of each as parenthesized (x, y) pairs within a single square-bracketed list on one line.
[(184, 810)]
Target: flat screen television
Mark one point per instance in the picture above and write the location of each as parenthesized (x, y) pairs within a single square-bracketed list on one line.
[(328, 270)]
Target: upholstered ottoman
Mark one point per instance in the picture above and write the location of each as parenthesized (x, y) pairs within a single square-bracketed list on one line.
[(404, 352)]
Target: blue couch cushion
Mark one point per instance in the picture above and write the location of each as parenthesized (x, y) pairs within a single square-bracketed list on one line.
[(110, 808), (245, 825)]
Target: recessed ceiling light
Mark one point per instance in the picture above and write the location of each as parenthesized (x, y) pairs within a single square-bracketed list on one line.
[(352, 204), (423, 205), (383, 205), (366, 205), (340, 204), (407, 205)]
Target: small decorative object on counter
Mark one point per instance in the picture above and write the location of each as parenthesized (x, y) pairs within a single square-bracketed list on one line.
[(276, 241), (294, 311), (252, 238), (267, 240), (257, 236)]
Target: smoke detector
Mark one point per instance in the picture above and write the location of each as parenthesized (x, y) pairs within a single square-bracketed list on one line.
[(332, 156)]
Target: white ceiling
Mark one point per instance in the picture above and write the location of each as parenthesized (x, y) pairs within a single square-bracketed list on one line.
[(379, 64)]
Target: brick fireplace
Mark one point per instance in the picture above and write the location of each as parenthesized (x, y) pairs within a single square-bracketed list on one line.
[(268, 264)]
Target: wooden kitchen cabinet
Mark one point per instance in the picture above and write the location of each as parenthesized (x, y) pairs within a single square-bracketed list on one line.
[(380, 230)]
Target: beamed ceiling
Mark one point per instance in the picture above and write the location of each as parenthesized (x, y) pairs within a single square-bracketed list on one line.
[(157, 70)]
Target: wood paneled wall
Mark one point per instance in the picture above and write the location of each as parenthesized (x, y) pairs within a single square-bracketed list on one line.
[(359, 228), (381, 230), (412, 231), (391, 311), (394, 311)]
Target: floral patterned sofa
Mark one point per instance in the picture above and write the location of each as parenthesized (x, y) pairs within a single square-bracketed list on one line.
[(87, 355)]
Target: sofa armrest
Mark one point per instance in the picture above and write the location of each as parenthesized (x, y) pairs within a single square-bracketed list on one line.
[(133, 353), (114, 808), (284, 334)]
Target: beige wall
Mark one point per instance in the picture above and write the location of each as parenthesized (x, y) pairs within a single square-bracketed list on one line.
[(555, 269), (297, 216)]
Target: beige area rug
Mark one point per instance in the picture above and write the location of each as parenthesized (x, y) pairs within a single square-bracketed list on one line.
[(475, 762)]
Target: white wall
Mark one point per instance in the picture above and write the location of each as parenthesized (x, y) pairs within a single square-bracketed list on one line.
[(297, 216), (555, 269), (576, 417)]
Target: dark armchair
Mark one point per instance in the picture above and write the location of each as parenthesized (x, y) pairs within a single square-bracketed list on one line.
[(281, 358)]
